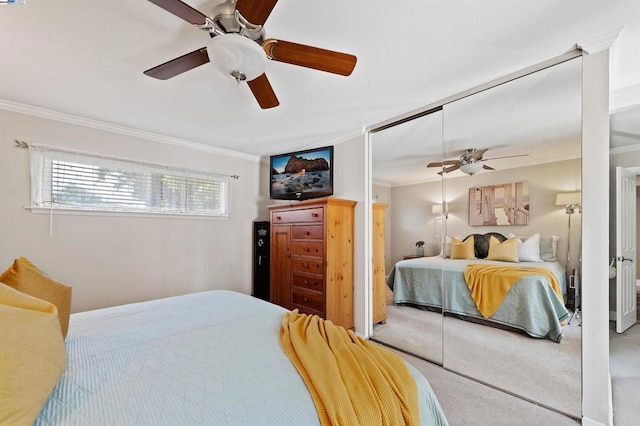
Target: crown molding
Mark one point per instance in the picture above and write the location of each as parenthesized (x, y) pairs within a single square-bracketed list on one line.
[(114, 128), (624, 149), (599, 42), (338, 139), (381, 183)]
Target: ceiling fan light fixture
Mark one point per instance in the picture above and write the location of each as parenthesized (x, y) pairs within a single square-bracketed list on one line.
[(471, 168), (237, 56)]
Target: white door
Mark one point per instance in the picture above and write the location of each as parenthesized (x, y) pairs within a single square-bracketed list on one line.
[(625, 248)]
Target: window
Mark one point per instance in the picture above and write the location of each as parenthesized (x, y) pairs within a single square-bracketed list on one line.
[(71, 180)]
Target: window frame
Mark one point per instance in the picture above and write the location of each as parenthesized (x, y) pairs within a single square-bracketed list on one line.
[(157, 177)]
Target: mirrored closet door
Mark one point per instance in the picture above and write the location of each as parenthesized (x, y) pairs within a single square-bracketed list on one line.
[(513, 185), (407, 231)]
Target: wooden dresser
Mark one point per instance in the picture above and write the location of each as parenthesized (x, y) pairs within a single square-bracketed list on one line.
[(379, 270), (312, 258)]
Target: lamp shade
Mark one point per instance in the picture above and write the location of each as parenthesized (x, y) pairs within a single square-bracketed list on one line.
[(237, 56), (436, 209), (568, 198), (471, 168)]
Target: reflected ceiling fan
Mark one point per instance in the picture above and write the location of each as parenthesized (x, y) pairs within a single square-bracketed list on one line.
[(470, 162), (239, 49)]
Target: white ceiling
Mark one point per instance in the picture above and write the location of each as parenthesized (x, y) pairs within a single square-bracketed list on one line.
[(536, 117), (86, 58)]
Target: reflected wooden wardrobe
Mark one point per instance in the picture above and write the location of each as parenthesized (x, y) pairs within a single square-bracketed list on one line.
[(379, 272)]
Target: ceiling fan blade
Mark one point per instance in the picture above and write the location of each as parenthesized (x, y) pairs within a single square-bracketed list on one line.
[(484, 166), (443, 163), (478, 153), (179, 65), (263, 92), (182, 10), (256, 11), (450, 169), (309, 56)]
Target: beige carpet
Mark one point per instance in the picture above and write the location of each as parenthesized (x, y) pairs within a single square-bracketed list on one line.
[(624, 365), (418, 334), (506, 359), (469, 403)]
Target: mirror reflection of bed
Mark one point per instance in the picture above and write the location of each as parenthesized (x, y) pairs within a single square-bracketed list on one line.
[(527, 347)]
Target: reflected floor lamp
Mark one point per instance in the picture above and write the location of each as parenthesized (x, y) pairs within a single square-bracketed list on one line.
[(441, 213), (570, 201)]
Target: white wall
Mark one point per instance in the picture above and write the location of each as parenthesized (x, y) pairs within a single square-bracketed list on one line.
[(110, 260), (413, 220)]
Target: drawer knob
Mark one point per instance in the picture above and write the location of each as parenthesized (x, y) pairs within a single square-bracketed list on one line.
[(306, 282), (307, 233), (306, 299), (279, 217), (305, 265), (306, 249), (314, 214)]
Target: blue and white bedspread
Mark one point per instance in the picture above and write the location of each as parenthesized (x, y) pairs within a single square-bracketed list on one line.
[(210, 358), (530, 305)]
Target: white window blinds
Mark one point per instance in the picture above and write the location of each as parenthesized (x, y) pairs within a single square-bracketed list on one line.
[(63, 179)]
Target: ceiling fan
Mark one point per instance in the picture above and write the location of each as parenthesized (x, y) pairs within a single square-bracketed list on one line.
[(470, 162), (239, 49)]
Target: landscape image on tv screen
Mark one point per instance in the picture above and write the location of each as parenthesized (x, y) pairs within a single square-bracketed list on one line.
[(303, 174)]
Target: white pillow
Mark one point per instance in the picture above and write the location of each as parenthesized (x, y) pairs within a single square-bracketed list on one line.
[(549, 247), (529, 249)]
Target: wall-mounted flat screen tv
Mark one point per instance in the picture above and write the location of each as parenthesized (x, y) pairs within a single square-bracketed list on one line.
[(302, 175)]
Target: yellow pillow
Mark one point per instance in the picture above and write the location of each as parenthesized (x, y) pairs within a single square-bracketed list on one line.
[(463, 249), (32, 355), (24, 276), (506, 251)]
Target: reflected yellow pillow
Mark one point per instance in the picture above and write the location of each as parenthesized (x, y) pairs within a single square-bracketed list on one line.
[(463, 249), (24, 276), (506, 251), (32, 355)]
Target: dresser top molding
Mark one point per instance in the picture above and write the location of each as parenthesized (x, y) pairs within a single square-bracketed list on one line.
[(313, 202)]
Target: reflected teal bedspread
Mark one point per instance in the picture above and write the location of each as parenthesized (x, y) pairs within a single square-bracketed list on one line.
[(531, 305)]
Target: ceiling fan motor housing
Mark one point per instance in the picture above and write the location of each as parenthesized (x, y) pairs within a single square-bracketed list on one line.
[(226, 20)]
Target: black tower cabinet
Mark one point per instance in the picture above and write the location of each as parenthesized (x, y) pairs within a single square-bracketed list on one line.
[(573, 291), (261, 268)]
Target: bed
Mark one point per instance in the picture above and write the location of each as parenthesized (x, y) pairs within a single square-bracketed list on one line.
[(531, 305), (204, 358)]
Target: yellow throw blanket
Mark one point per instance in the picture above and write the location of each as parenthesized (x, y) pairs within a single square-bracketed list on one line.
[(352, 381), (489, 284)]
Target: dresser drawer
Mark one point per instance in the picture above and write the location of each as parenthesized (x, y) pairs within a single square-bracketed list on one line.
[(308, 232), (307, 248), (313, 266), (307, 299), (308, 282), (294, 216)]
